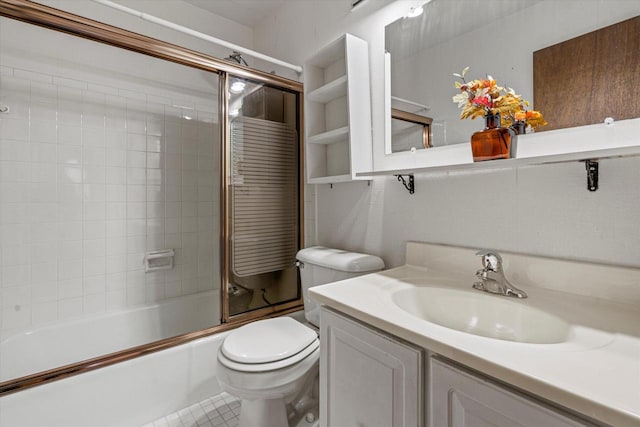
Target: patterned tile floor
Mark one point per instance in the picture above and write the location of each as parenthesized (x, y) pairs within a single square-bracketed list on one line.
[(218, 411)]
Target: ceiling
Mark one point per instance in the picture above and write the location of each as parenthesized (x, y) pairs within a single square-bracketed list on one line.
[(245, 12)]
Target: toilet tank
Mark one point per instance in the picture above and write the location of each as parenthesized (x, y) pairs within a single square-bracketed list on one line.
[(320, 265)]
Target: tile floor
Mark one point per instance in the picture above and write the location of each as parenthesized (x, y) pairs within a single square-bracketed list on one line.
[(218, 411)]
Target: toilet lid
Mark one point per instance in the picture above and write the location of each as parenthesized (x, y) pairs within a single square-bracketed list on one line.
[(267, 340)]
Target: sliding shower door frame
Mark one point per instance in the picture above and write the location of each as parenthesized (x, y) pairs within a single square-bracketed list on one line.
[(225, 224), (58, 20)]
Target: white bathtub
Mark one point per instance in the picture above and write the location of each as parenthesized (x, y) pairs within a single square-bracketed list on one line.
[(71, 341), (127, 394)]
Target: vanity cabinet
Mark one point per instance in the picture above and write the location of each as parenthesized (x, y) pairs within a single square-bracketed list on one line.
[(367, 378), (373, 379), (460, 398), (337, 109)]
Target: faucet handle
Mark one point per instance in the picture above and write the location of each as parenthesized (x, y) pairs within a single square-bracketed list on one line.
[(491, 261)]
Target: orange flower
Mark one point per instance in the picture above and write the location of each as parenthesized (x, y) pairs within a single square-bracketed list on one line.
[(520, 115), (483, 96)]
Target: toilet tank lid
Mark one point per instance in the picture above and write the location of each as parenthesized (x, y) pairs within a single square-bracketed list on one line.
[(340, 260)]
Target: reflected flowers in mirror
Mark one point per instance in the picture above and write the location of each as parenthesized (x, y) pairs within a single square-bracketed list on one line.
[(482, 97)]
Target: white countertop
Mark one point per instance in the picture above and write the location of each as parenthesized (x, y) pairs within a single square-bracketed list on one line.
[(596, 372)]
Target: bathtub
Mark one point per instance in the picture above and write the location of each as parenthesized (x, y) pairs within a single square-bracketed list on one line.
[(127, 394), (71, 341)]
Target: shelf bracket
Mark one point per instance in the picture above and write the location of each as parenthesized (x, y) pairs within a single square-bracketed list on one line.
[(592, 174), (408, 184)]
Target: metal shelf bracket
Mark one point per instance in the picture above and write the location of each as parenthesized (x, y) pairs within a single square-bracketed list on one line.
[(592, 174), (409, 184)]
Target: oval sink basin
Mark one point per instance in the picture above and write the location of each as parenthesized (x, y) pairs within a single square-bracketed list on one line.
[(481, 314)]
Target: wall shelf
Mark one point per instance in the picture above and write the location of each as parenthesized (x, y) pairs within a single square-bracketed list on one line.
[(329, 92), (584, 143), (335, 179), (337, 108), (330, 137)]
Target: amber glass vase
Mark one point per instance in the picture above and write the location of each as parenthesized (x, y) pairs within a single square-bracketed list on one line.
[(494, 142)]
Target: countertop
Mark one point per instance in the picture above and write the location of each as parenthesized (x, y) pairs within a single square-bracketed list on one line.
[(595, 373)]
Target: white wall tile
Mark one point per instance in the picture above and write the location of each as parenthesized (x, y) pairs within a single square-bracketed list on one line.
[(87, 186), (116, 246), (116, 210), (15, 255), (70, 288), (14, 129), (136, 141), (44, 252), (70, 135), (69, 270), (14, 172), (95, 248), (94, 266), (116, 299), (69, 308), (93, 304), (94, 284), (16, 317), (43, 172), (116, 265), (70, 250), (44, 273), (44, 131), (44, 292), (42, 313), (14, 150), (115, 139)]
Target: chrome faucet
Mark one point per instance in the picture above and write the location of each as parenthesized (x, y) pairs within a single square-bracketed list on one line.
[(492, 277)]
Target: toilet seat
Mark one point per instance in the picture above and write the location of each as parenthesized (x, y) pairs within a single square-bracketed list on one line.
[(267, 345)]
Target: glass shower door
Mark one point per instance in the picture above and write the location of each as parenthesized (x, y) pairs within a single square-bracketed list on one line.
[(263, 196)]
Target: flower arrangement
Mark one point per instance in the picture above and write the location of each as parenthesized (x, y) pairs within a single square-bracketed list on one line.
[(483, 97)]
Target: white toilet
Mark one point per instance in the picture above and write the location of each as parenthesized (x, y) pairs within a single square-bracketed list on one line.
[(272, 364)]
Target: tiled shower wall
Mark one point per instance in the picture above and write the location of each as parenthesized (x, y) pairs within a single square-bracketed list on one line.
[(94, 175)]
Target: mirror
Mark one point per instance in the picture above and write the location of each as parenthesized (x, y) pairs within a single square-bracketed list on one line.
[(492, 37), (409, 131)]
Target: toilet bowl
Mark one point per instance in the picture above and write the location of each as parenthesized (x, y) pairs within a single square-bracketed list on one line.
[(271, 365)]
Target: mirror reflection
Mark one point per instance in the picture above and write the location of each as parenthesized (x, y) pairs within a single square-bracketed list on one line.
[(409, 131), (492, 37)]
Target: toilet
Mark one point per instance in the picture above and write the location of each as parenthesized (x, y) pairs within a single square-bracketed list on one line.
[(271, 365)]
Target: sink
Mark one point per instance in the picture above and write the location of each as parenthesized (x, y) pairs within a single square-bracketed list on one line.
[(482, 314)]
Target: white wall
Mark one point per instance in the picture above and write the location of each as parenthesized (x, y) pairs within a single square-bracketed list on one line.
[(544, 210)]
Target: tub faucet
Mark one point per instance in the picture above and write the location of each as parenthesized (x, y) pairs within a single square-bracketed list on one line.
[(492, 277)]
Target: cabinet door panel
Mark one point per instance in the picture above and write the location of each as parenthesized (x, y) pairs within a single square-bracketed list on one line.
[(366, 378), (462, 399)]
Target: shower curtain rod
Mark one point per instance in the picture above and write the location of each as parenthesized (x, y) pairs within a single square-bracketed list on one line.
[(194, 33)]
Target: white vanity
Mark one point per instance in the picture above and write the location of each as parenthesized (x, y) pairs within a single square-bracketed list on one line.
[(418, 346)]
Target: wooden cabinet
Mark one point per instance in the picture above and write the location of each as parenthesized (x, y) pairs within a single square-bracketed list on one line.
[(367, 378), (462, 399), (337, 111)]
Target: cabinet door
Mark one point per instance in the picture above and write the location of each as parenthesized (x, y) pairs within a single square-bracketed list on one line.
[(367, 379), (462, 399)]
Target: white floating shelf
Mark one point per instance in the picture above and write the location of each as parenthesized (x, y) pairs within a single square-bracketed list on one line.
[(332, 90), (330, 179), (330, 137), (592, 142)]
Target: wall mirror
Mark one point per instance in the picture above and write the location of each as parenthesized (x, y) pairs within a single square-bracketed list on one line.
[(492, 37), (409, 131)]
